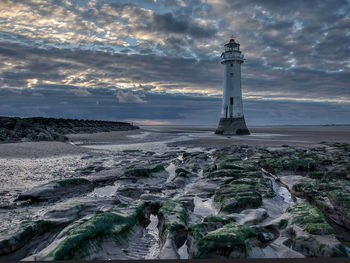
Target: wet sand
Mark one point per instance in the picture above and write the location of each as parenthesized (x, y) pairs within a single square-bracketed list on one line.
[(90, 156), (197, 136)]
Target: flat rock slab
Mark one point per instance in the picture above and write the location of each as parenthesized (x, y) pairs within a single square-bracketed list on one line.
[(56, 190)]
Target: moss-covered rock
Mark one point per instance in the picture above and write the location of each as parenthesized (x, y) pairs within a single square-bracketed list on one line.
[(276, 165), (172, 226), (331, 195), (25, 232), (310, 218), (243, 193), (143, 171), (237, 197), (310, 234), (230, 241), (225, 173), (195, 155), (208, 168), (236, 164), (84, 240), (181, 172), (172, 219)]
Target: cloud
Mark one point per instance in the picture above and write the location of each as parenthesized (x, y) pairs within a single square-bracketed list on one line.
[(80, 92), (129, 97), (297, 53)]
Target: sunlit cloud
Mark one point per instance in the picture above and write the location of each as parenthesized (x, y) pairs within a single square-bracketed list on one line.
[(296, 52)]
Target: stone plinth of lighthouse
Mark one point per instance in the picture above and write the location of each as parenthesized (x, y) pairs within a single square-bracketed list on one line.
[(232, 119)]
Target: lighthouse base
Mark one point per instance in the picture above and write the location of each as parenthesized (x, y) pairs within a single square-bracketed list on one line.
[(232, 126)]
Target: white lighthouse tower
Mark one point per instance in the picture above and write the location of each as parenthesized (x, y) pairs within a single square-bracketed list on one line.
[(232, 119)]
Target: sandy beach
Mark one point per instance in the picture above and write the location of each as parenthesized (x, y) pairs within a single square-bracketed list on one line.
[(184, 166)]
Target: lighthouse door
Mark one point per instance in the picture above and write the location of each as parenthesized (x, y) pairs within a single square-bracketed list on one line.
[(231, 107)]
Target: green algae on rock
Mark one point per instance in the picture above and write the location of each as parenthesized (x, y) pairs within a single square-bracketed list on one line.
[(313, 236), (276, 165), (331, 195), (173, 217), (172, 227), (243, 193), (25, 232), (230, 241), (182, 172), (84, 239), (310, 218)]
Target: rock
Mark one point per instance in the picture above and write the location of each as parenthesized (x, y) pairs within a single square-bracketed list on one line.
[(225, 173), (250, 216), (203, 189), (48, 129), (42, 136), (237, 197), (143, 171), (208, 168), (219, 219), (310, 234), (172, 226), (82, 241), (67, 213), (133, 192), (266, 237), (24, 233), (179, 182), (275, 165), (331, 195), (182, 172), (58, 189), (151, 197), (310, 218), (230, 241)]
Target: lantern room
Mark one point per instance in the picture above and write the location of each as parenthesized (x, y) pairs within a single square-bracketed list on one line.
[(232, 46)]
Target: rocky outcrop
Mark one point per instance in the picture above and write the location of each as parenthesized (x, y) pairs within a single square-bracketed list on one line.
[(209, 240), (14, 129), (141, 171), (58, 189), (331, 195), (310, 234), (80, 241), (172, 227), (23, 234)]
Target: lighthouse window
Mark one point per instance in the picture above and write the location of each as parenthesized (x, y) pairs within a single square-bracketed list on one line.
[(231, 65), (231, 74)]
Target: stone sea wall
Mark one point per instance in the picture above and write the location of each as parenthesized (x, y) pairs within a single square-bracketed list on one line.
[(15, 129)]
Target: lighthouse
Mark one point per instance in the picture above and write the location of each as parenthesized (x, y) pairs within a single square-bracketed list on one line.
[(232, 119)]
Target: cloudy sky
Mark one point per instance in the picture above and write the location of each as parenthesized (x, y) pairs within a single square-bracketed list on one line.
[(158, 61)]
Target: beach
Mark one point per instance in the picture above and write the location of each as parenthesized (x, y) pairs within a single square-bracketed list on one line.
[(175, 175)]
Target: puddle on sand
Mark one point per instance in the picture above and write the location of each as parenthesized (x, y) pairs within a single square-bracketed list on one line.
[(105, 191), (158, 147), (277, 205), (203, 207), (152, 230), (171, 170), (139, 136), (183, 253)]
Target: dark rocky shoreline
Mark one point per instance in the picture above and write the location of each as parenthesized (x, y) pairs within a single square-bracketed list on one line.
[(239, 201), (16, 129)]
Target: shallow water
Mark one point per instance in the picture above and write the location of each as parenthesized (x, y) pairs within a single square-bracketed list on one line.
[(105, 191), (152, 230), (204, 207)]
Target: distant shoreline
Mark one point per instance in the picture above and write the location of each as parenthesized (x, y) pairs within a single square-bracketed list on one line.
[(16, 129)]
